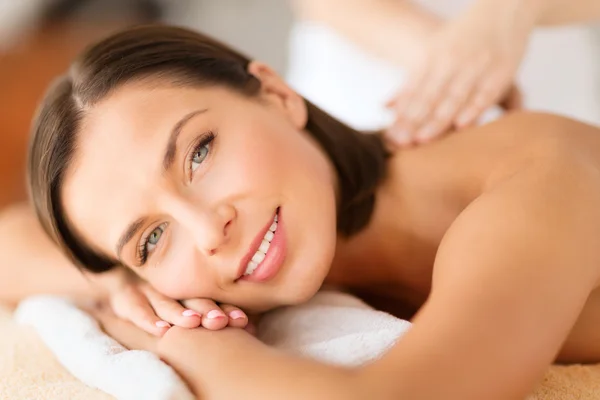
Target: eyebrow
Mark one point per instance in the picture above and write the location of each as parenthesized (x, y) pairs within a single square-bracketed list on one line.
[(171, 149)]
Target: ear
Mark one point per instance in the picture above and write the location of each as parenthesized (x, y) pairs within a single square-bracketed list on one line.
[(278, 92)]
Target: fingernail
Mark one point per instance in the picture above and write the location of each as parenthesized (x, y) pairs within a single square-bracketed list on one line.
[(215, 314), (162, 324), (190, 313), (237, 314)]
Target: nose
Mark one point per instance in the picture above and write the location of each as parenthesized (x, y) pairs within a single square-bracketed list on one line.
[(209, 227)]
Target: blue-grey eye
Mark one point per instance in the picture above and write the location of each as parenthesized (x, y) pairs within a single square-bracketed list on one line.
[(199, 156), (154, 237)]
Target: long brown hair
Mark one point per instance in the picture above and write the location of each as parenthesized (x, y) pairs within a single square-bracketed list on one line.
[(186, 58)]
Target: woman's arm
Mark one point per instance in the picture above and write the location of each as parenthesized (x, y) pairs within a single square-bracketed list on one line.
[(395, 30), (31, 264), (511, 278), (231, 364)]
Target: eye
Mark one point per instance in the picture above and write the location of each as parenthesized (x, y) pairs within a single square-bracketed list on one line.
[(200, 152), (199, 156), (149, 243), (154, 238)]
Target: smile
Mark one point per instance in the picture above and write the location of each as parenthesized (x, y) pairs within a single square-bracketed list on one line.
[(266, 254)]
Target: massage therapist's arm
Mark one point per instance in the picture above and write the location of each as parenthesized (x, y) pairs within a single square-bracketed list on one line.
[(559, 12), (510, 279), (396, 30)]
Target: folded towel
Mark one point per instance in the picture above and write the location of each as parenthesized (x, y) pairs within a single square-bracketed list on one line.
[(332, 327), (95, 358)]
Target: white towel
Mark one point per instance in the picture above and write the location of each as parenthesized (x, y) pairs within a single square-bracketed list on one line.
[(333, 327), (97, 359)]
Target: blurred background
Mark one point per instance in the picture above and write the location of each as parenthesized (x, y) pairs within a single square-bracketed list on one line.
[(38, 39)]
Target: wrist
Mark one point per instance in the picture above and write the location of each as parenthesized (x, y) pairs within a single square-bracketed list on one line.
[(176, 349), (414, 36), (198, 355)]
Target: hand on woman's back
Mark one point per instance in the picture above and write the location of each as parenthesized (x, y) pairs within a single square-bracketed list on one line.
[(469, 65)]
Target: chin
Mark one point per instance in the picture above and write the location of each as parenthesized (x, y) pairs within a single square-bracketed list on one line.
[(303, 287)]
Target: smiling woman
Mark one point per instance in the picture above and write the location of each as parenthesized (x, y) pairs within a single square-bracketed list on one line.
[(199, 158), (207, 176)]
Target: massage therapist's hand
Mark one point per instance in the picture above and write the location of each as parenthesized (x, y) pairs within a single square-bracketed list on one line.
[(470, 65), (135, 300)]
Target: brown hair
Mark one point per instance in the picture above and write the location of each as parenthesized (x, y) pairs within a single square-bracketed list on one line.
[(188, 58)]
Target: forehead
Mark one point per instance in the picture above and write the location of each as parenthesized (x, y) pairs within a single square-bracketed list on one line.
[(118, 157)]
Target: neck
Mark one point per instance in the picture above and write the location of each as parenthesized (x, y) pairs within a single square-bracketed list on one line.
[(363, 259), (398, 245)]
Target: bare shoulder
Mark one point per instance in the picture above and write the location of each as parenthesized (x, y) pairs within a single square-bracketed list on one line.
[(546, 140), (541, 131), (519, 262), (471, 161), (548, 204)]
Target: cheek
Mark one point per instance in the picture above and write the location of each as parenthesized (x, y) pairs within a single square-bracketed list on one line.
[(180, 276), (248, 166)]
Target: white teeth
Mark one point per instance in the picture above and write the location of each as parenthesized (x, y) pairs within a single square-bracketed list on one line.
[(264, 246), (276, 218), (258, 257), (251, 267), (261, 253)]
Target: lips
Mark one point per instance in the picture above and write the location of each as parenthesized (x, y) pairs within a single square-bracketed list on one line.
[(270, 265)]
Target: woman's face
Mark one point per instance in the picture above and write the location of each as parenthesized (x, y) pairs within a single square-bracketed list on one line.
[(206, 193)]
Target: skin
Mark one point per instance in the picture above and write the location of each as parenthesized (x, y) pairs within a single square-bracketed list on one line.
[(215, 213), (500, 222), (456, 69)]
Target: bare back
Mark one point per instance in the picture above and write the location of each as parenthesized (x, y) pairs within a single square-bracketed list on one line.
[(428, 188)]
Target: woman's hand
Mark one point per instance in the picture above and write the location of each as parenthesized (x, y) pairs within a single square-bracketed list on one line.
[(470, 65), (180, 347), (125, 332), (134, 300)]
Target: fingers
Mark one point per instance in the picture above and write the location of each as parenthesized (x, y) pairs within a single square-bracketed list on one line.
[(438, 98), (449, 95), (486, 94), (215, 317), (171, 310), (442, 117), (131, 304), (416, 103)]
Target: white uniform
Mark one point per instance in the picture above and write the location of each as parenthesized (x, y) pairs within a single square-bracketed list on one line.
[(560, 72)]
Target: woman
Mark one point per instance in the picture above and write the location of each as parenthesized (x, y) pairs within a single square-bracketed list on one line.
[(450, 61), (207, 176)]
